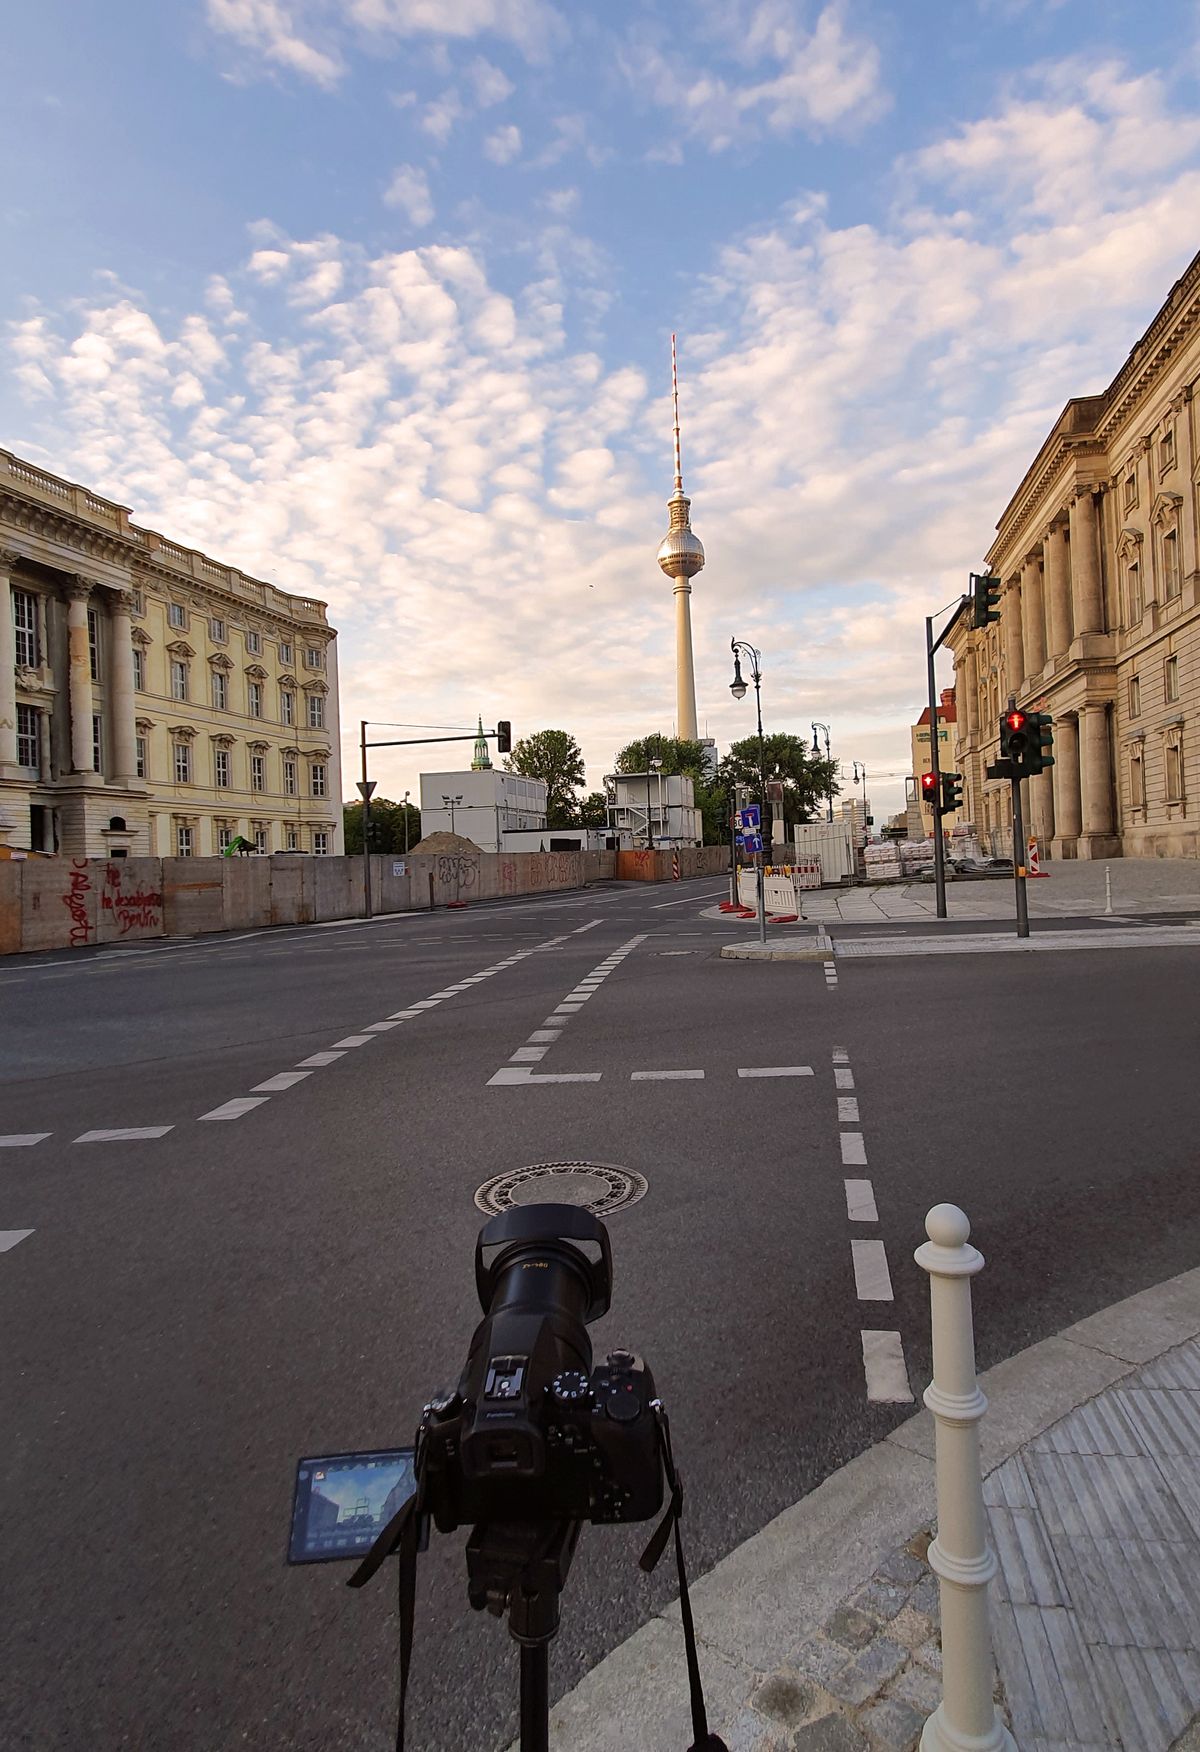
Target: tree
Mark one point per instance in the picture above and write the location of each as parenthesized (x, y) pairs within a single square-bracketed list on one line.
[(807, 778), (387, 826), (555, 757), (679, 754), (593, 811)]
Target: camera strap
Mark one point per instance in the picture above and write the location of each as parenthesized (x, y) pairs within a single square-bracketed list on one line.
[(401, 1534), (703, 1740)]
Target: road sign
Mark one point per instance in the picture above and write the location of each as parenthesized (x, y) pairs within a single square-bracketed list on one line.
[(366, 789), (750, 819), (752, 842)]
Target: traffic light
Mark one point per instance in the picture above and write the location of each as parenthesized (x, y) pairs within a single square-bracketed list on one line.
[(1016, 739), (929, 791), (503, 737), (951, 792), (1041, 738), (985, 598)]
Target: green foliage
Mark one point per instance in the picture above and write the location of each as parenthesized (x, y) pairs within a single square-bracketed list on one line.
[(555, 757), (677, 753), (807, 778), (387, 826), (593, 811)]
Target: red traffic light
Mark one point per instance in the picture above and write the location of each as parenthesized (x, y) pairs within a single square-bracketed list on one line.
[(1015, 720), (929, 784)]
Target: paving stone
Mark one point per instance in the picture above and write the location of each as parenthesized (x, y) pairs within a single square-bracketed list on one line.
[(930, 1655), (917, 1686), (749, 1732), (925, 1596), (869, 1672), (850, 1627), (918, 1545), (820, 1660), (912, 1628), (893, 1725), (901, 1566), (785, 1697), (881, 1597), (832, 1733)]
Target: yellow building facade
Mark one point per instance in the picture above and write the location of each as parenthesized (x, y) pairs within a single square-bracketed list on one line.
[(1100, 614), (152, 700)]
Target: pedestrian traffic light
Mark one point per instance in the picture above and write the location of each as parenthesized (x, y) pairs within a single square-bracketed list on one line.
[(951, 792), (503, 737), (1015, 738), (985, 598), (929, 791), (1041, 738)]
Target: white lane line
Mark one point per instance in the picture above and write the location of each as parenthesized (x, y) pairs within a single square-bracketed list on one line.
[(527, 1055), (590, 926), (122, 1133), (235, 1109), (546, 1034), (854, 1150), (403, 1015), (383, 1027), (18, 1139), (840, 1056), (885, 1368), (284, 1080), (860, 1202), (692, 899), (427, 1004), (516, 1074), (847, 1109), (843, 1079), (10, 1237), (355, 1040), (776, 1071), (319, 1058), (872, 1279), (666, 1076)]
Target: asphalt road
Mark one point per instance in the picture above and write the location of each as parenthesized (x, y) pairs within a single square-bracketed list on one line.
[(194, 1310)]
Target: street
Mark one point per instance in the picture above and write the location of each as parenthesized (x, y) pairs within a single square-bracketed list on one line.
[(273, 1264)]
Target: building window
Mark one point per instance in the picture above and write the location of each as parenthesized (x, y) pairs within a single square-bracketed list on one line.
[(28, 738), (97, 739), (260, 839), (183, 762), (183, 841), (139, 670), (1135, 696), (216, 630), (258, 772), (1174, 757), (254, 643), (1171, 679), (287, 706), (254, 699), (1172, 583), (224, 838), (177, 617), (1137, 780), (221, 768), (314, 658), (321, 843), (316, 712), (94, 643), (1166, 450), (179, 680), (1133, 584), (318, 779), (25, 619), (139, 602), (286, 654), (1130, 491), (289, 778), (220, 690), (290, 839), (142, 762)]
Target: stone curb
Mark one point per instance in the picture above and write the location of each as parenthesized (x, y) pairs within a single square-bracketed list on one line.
[(772, 1602), (769, 951)]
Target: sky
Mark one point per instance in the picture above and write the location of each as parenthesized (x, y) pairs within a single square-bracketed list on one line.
[(373, 299)]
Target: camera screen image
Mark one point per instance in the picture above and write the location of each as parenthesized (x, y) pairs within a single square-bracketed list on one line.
[(343, 1501)]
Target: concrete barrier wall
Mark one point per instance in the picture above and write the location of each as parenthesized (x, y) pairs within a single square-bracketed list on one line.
[(647, 866)]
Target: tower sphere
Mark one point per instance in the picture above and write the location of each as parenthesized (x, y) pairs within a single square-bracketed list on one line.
[(681, 553)]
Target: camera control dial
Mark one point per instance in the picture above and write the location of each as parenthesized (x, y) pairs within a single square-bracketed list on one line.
[(572, 1387)]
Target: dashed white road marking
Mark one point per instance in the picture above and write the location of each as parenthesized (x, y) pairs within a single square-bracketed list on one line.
[(10, 1237), (517, 1074), (860, 1202), (847, 1109), (840, 1056), (885, 1369), (854, 1150), (235, 1109), (355, 1040), (776, 1071), (872, 1279), (546, 1034), (383, 1027), (666, 1076), (317, 1059), (122, 1133), (284, 1080), (528, 1055), (17, 1139), (402, 1015), (843, 1078), (541, 1039)]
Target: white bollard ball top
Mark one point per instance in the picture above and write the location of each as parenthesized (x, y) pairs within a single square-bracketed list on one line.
[(947, 1226)]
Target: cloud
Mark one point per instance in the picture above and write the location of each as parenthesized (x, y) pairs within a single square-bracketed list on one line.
[(409, 190), (561, 202), (271, 29), (490, 84), (504, 145), (439, 117)]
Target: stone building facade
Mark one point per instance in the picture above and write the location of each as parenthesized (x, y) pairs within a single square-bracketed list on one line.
[(153, 701), (1100, 614)]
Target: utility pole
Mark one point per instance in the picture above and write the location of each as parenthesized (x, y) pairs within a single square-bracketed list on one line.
[(365, 788)]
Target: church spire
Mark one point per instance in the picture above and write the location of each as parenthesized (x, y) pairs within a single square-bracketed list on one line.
[(482, 761)]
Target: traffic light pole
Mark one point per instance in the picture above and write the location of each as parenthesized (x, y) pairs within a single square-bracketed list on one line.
[(939, 851), (365, 788), (1018, 819)]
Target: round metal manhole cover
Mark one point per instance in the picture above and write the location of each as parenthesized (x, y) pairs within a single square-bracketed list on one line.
[(598, 1186)]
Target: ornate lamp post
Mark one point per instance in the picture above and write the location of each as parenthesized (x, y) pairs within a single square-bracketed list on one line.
[(816, 751), (737, 688)]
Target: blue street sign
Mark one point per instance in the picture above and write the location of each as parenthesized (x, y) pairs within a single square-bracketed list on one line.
[(750, 819), (753, 842)]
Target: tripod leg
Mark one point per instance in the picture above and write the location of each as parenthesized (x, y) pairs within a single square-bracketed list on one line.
[(535, 1697)]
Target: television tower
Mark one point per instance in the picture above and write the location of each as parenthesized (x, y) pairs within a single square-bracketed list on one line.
[(681, 556)]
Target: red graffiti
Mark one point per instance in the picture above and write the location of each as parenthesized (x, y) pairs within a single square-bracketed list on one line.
[(139, 910), (75, 903)]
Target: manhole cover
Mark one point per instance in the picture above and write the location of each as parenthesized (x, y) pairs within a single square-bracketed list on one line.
[(598, 1186)]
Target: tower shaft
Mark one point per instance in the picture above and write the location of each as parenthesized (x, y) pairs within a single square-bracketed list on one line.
[(685, 671)]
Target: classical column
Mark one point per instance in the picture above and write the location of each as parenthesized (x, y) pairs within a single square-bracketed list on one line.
[(80, 676), (1068, 806), (1058, 589), (8, 660), (971, 690), (120, 681), (1088, 597), (1014, 644), (1097, 770), (1033, 634)]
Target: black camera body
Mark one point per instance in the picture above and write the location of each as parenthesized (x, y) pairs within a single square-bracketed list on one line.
[(533, 1432)]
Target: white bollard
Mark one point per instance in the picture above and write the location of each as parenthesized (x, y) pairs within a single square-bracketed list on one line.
[(1108, 888), (966, 1719)]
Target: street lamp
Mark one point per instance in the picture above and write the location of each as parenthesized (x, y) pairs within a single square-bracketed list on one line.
[(407, 795), (829, 778), (862, 775), (737, 688), (656, 767), (449, 803)]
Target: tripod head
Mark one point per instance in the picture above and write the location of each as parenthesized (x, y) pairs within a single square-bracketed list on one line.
[(521, 1569)]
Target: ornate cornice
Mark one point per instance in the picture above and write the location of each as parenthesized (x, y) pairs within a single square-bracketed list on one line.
[(182, 732), (80, 587), (219, 661), (180, 648), (61, 527)]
